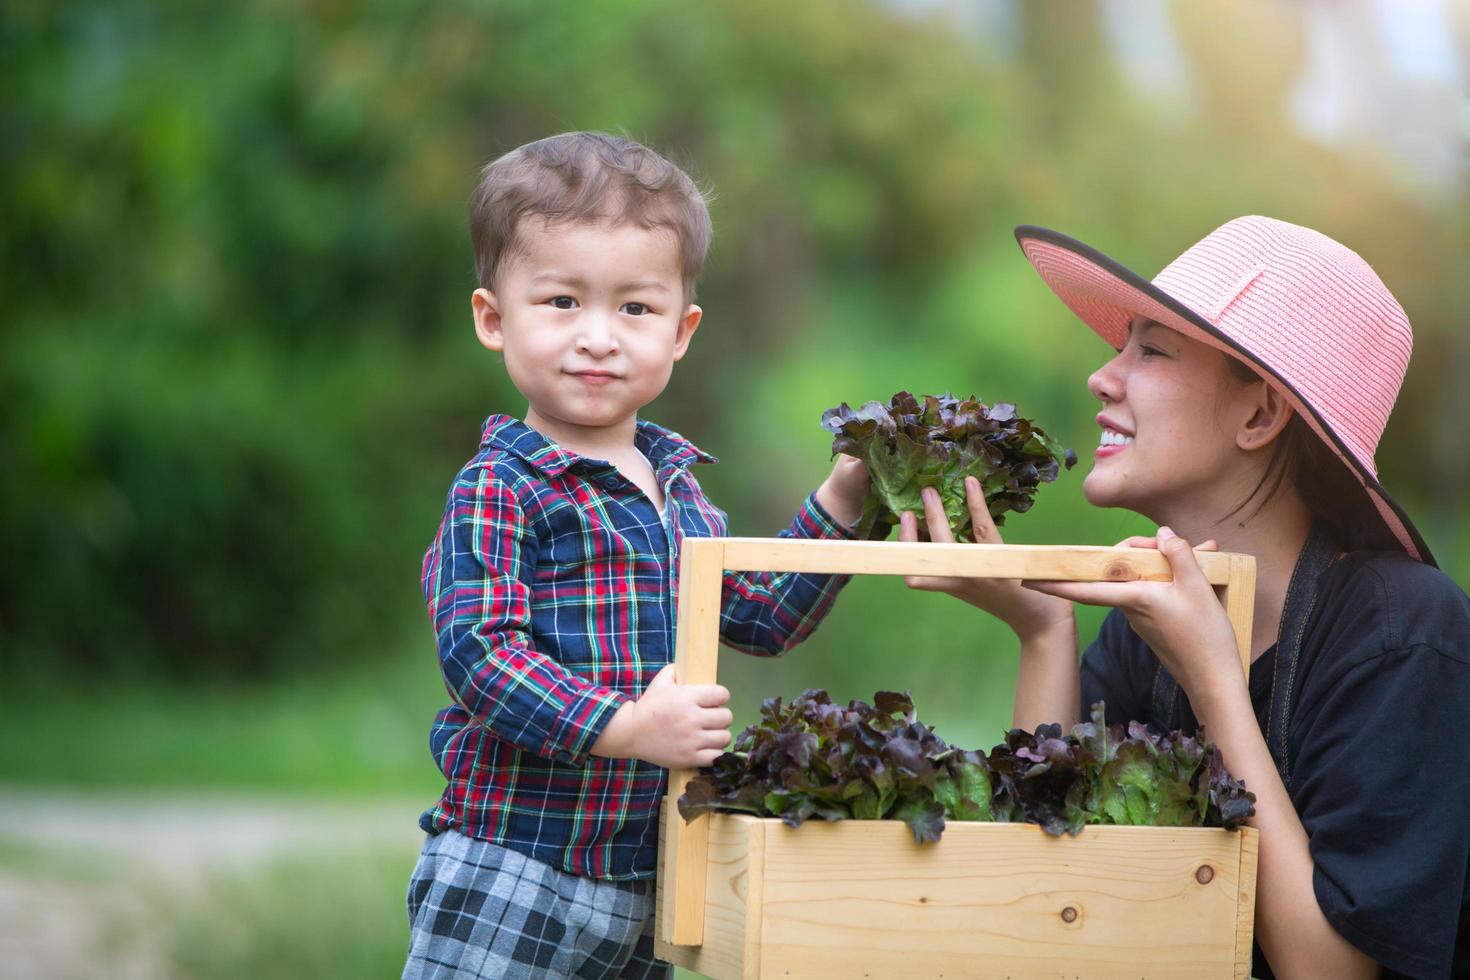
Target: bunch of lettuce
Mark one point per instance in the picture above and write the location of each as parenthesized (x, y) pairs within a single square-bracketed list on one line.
[(1109, 774), (910, 444), (814, 758)]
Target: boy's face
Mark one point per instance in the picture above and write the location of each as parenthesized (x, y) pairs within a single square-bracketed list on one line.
[(590, 319)]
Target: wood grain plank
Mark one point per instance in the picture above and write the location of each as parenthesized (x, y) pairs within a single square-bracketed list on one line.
[(1245, 911), (725, 953), (860, 898), (696, 661), (1075, 564), (1240, 599)]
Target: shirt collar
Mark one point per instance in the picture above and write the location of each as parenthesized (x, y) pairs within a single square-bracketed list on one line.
[(662, 447)]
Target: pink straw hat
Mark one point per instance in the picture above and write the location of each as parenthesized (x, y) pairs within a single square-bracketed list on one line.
[(1303, 311)]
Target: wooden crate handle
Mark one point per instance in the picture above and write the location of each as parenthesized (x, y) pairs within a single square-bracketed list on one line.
[(704, 561)]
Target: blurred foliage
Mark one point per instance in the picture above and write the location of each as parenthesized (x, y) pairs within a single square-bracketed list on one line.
[(236, 371)]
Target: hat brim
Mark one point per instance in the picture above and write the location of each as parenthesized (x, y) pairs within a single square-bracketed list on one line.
[(1106, 296)]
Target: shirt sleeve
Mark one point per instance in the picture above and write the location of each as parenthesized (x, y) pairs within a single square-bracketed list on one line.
[(1112, 673), (768, 613), (1381, 786), (477, 582)]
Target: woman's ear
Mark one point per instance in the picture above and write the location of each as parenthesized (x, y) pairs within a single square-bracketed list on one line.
[(486, 310), (1268, 418)]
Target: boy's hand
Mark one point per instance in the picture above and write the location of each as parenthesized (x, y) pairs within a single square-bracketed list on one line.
[(841, 494), (677, 726)]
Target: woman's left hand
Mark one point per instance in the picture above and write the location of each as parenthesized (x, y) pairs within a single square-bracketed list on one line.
[(1182, 620)]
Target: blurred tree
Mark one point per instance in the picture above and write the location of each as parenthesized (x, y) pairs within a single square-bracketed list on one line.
[(236, 375)]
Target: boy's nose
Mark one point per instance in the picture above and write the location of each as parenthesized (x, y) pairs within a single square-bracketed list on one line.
[(596, 338)]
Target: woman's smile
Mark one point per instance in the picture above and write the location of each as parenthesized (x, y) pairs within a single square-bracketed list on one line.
[(1113, 439)]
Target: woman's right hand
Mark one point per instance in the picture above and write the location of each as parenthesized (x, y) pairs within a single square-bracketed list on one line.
[(1028, 613)]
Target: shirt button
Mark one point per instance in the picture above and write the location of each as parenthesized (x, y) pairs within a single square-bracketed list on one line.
[(612, 483)]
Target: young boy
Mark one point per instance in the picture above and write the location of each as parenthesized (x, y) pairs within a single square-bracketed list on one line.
[(552, 581)]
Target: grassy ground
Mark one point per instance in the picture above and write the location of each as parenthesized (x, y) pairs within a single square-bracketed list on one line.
[(245, 832), (297, 902), (324, 915), (298, 917)]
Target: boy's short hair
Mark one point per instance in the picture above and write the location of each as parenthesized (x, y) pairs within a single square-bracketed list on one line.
[(586, 177)]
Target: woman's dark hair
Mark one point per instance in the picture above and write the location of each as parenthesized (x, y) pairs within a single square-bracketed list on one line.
[(1335, 497)]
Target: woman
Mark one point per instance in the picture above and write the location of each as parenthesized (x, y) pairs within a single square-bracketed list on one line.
[(1252, 382)]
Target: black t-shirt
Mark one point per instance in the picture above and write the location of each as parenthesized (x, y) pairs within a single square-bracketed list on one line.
[(1378, 749)]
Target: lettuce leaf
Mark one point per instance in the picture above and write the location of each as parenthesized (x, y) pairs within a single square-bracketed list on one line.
[(910, 444)]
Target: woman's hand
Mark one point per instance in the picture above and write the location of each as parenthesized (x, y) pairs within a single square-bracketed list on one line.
[(1026, 612), (1182, 620), (1046, 674)]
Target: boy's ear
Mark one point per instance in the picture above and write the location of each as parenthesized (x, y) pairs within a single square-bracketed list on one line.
[(1267, 420), (487, 319), (688, 323)]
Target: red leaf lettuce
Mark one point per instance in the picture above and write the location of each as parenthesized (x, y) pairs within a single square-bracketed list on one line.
[(814, 758), (910, 444)]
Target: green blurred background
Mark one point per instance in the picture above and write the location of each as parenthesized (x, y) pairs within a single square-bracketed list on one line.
[(237, 372)]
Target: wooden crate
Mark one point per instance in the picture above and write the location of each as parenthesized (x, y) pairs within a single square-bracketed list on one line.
[(742, 897)]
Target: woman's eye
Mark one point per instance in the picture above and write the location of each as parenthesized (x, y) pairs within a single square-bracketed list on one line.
[(636, 309), (563, 302), (1148, 351)]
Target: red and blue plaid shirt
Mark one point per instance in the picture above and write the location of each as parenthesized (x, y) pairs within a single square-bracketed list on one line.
[(551, 585)]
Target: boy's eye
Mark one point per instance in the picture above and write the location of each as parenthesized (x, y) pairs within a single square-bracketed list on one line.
[(636, 309), (563, 302), (1147, 351)]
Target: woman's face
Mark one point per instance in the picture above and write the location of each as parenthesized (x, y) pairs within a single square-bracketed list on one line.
[(1170, 411)]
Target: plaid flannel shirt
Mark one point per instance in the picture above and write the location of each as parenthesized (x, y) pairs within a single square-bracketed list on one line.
[(551, 585)]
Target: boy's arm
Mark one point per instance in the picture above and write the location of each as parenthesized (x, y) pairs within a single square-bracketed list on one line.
[(768, 613), (476, 580)]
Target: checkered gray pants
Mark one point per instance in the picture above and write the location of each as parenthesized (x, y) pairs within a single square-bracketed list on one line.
[(476, 909)]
